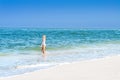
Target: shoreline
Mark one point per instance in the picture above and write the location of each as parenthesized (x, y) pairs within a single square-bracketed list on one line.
[(53, 66), (96, 69)]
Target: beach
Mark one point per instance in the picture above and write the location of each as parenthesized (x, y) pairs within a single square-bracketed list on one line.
[(100, 69), (60, 40)]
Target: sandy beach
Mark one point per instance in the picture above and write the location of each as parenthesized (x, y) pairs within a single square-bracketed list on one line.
[(100, 69)]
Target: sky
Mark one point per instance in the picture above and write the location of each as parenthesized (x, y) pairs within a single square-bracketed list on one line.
[(60, 13)]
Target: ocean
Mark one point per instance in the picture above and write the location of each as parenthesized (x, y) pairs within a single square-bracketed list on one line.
[(20, 48)]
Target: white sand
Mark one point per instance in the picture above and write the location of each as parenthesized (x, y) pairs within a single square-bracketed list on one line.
[(101, 69)]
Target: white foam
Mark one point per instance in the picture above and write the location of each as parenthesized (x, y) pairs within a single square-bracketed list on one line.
[(35, 65)]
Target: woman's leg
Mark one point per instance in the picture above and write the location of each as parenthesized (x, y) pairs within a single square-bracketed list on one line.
[(43, 50)]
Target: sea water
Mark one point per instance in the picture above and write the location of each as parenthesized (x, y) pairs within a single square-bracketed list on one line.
[(20, 50)]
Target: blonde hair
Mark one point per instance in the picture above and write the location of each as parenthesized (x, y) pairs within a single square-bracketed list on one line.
[(44, 37)]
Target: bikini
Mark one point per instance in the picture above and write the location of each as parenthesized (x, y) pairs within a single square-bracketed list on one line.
[(43, 43)]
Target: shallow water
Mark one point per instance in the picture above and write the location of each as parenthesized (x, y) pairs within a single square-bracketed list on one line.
[(20, 47)]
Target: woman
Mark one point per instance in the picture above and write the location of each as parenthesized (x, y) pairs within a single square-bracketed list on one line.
[(43, 45)]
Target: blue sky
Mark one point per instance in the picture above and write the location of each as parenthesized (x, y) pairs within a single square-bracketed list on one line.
[(60, 13)]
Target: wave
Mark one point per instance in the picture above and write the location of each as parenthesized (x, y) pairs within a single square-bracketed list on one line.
[(37, 49), (36, 65)]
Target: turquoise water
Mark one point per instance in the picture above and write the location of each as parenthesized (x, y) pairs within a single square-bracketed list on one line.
[(20, 47)]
